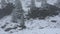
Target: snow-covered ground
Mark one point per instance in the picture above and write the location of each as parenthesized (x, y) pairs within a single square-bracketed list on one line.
[(39, 31), (34, 31), (49, 25)]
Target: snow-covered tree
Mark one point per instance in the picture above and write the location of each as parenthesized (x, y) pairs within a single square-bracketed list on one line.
[(18, 14)]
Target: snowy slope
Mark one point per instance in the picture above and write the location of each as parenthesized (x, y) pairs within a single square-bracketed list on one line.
[(35, 26), (39, 31), (50, 25)]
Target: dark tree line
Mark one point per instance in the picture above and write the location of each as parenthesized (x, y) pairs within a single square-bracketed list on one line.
[(6, 10), (42, 13), (50, 10)]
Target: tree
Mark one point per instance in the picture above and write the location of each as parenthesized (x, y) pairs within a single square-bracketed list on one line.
[(44, 2), (32, 8), (18, 14), (44, 11), (7, 10), (32, 4)]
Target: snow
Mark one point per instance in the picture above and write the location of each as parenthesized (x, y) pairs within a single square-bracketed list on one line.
[(36, 23), (34, 26), (34, 31), (2, 32), (38, 4), (51, 1), (39, 31)]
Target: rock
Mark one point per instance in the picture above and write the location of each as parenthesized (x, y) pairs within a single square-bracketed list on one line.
[(53, 21)]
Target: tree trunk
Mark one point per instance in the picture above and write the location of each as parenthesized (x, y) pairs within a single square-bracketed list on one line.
[(32, 4), (44, 2)]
